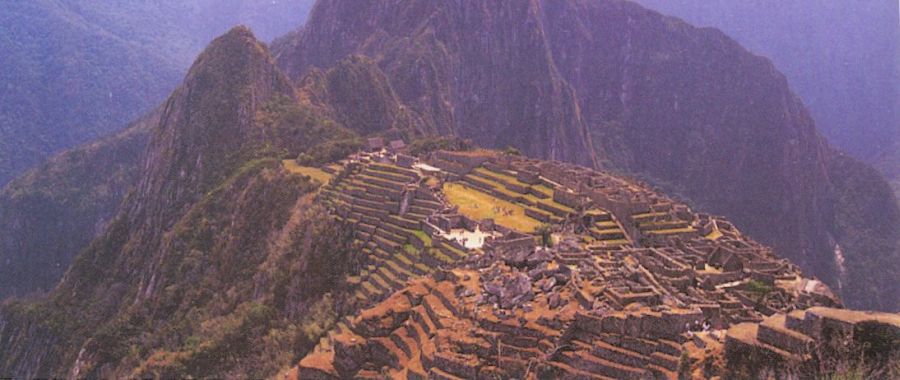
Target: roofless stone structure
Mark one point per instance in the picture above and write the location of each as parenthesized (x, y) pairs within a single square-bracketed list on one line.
[(578, 274)]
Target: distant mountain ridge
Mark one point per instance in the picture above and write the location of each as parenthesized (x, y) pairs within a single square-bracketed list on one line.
[(75, 70), (842, 58)]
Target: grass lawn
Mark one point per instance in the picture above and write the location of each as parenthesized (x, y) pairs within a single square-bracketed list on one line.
[(647, 215), (543, 189), (314, 173), (672, 231), (478, 205), (500, 176)]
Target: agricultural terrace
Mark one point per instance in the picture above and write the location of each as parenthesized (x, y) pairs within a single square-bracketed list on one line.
[(314, 173), (478, 205)]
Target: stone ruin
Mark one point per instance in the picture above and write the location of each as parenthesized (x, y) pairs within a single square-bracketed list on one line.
[(804, 342), (635, 284)]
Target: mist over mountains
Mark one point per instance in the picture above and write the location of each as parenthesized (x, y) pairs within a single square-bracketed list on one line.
[(76, 70), (842, 58)]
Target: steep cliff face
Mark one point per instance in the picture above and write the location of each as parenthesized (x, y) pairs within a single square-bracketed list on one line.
[(889, 165), (866, 216), (500, 90), (359, 95), (602, 83), (217, 258), (54, 211), (694, 110), (840, 57), (207, 126)]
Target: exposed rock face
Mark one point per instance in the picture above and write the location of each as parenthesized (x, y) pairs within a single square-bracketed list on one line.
[(697, 110), (219, 261), (360, 96), (605, 82), (866, 220), (889, 164), (841, 59), (442, 68)]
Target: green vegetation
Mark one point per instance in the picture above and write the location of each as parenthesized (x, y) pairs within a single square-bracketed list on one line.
[(501, 188), (512, 151), (759, 288), (543, 189), (330, 151), (362, 98), (479, 205), (295, 131), (684, 366), (50, 213), (870, 245), (500, 176), (237, 251), (120, 59), (672, 231), (431, 144), (423, 237), (714, 235), (647, 215), (315, 173)]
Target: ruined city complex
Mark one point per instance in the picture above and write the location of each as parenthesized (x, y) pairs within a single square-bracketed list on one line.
[(489, 265)]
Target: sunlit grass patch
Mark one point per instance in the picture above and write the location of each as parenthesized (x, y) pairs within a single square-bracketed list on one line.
[(479, 205), (314, 173)]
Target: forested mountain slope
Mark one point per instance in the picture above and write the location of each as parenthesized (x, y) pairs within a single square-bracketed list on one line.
[(75, 70)]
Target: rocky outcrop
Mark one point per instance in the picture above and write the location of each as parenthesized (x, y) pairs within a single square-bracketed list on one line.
[(206, 130)]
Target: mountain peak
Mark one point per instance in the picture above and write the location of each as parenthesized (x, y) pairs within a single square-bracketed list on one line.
[(207, 127), (239, 43)]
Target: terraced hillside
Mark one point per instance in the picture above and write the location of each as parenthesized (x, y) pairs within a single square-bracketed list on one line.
[(387, 206), (486, 265)]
